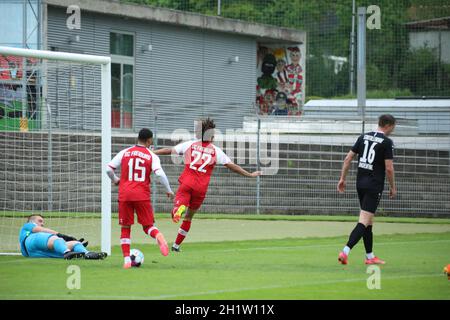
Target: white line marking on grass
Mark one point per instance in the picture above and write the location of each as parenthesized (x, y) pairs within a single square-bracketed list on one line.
[(312, 283), (321, 246), (23, 259), (212, 292), (62, 296), (312, 246)]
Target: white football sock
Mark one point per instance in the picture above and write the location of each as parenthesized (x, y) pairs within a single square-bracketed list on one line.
[(346, 250), (127, 259), (370, 255)]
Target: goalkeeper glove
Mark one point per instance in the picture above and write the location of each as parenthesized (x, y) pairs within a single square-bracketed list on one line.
[(84, 243), (65, 237)]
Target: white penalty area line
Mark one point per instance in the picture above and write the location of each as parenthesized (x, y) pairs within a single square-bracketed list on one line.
[(208, 293), (306, 284), (312, 246)]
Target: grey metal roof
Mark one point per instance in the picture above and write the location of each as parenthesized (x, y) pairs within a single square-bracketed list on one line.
[(261, 32), (437, 23)]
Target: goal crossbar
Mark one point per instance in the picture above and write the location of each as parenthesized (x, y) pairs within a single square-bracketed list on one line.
[(55, 55)]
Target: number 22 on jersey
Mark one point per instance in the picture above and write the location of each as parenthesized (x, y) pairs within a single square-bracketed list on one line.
[(205, 157)]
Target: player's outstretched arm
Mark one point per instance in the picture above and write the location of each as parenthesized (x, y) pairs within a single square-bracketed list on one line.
[(164, 151), (238, 169), (347, 162)]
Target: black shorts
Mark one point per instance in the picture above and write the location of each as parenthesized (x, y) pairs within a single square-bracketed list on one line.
[(368, 199)]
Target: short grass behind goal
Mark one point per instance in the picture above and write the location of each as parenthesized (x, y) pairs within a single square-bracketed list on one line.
[(53, 143)]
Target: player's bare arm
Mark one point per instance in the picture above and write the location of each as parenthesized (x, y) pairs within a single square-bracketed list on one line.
[(238, 169), (389, 163), (164, 151), (347, 162)]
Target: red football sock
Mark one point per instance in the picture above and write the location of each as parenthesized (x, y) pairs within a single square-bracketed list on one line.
[(182, 232), (125, 241), (152, 231)]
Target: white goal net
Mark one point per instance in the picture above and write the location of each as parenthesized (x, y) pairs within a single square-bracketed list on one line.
[(54, 143)]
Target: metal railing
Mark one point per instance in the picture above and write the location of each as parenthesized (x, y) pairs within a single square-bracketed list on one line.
[(302, 158)]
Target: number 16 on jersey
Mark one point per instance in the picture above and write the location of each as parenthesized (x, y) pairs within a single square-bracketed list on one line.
[(366, 160)]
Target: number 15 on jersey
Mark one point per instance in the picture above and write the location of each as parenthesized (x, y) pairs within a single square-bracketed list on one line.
[(136, 172)]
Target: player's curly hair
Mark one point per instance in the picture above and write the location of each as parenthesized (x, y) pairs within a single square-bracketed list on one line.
[(207, 129)]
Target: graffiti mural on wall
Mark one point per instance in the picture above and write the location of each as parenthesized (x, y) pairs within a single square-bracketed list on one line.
[(280, 84)]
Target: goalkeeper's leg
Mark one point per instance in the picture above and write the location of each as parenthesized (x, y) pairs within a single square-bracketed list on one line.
[(63, 249), (79, 250), (76, 246)]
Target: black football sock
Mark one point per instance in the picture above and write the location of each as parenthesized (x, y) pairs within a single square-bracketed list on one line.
[(368, 239), (356, 235)]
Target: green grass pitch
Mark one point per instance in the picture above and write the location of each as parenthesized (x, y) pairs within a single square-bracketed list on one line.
[(250, 259)]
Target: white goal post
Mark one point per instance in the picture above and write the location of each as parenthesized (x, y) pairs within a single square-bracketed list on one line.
[(105, 63)]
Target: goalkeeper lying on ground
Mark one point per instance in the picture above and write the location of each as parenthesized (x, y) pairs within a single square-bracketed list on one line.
[(39, 242)]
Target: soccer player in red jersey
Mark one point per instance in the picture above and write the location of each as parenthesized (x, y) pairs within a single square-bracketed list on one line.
[(137, 163), (200, 158)]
